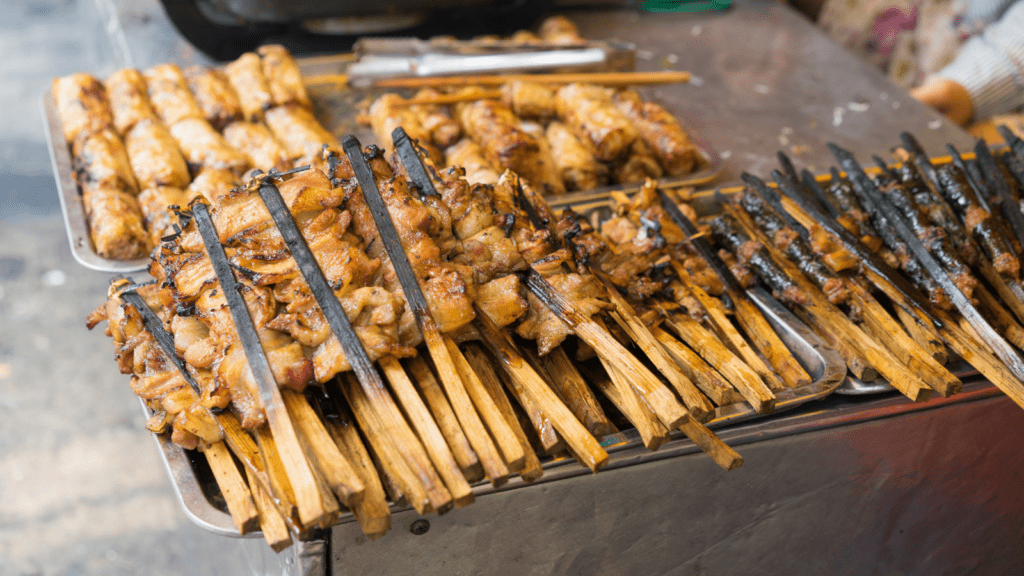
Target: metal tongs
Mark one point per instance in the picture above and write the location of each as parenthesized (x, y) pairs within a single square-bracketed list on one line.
[(378, 58)]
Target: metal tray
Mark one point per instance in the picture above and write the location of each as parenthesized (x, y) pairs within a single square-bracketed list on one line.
[(197, 491)]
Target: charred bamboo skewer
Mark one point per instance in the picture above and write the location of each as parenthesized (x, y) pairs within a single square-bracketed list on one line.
[(500, 429), (273, 526), (372, 512), (833, 321), (248, 453), (485, 449), (1001, 319), (579, 440), (483, 366), (997, 185), (233, 487), (752, 321), (703, 375), (336, 318), (323, 452), (445, 418), (1005, 353), (428, 432), (310, 508), (927, 337), (573, 389)]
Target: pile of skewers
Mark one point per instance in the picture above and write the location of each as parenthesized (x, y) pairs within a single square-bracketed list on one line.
[(144, 141), (899, 271), (380, 332)]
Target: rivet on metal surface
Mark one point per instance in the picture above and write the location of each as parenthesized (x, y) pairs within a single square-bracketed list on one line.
[(419, 527)]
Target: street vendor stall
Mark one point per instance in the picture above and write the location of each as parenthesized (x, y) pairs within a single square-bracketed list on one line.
[(847, 476)]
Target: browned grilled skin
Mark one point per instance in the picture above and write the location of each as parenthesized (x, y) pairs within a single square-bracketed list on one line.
[(637, 166), (437, 120), (82, 105), (129, 99), (100, 160), (591, 112), (662, 133), (302, 136), (203, 147), (214, 95), (169, 94), (529, 100), (259, 144), (283, 76), (468, 155), (246, 76), (389, 112), (115, 223), (155, 156)]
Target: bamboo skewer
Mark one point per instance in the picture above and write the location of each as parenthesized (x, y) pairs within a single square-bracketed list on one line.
[(482, 365), (454, 387), (582, 444), (445, 418), (409, 468), (647, 386), (927, 337), (324, 454), (1000, 318), (615, 79), (1011, 292), (769, 344), (570, 385), (307, 498), (652, 432), (501, 431), (428, 432), (273, 526), (703, 375), (372, 512), (233, 487), (248, 453), (279, 483), (890, 333)]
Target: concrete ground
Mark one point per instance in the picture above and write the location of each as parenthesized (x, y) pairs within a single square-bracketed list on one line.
[(82, 489)]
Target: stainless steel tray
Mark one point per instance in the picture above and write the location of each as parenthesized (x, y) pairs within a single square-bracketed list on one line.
[(198, 493)]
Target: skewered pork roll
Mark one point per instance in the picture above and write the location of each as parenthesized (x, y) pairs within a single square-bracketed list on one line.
[(468, 154), (256, 141), (660, 130), (436, 120), (155, 156), (169, 94), (247, 78), (591, 112), (300, 133), (156, 205), (82, 105), (129, 99), (115, 223), (203, 147), (215, 96), (529, 100), (638, 165), (100, 161), (389, 112), (577, 167), (283, 76)]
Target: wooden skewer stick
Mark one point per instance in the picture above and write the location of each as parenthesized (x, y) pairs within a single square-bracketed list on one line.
[(889, 332), (427, 429), (767, 341), (323, 452), (548, 440), (454, 387), (854, 358), (725, 328), (500, 429), (332, 508), (624, 315), (244, 448), (703, 375), (1010, 291), (710, 348), (661, 400), (483, 365), (567, 381), (611, 383), (927, 337), (307, 498), (233, 488), (421, 486), (445, 418), (279, 482), (617, 79), (583, 445), (1001, 319), (273, 526), (372, 512)]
